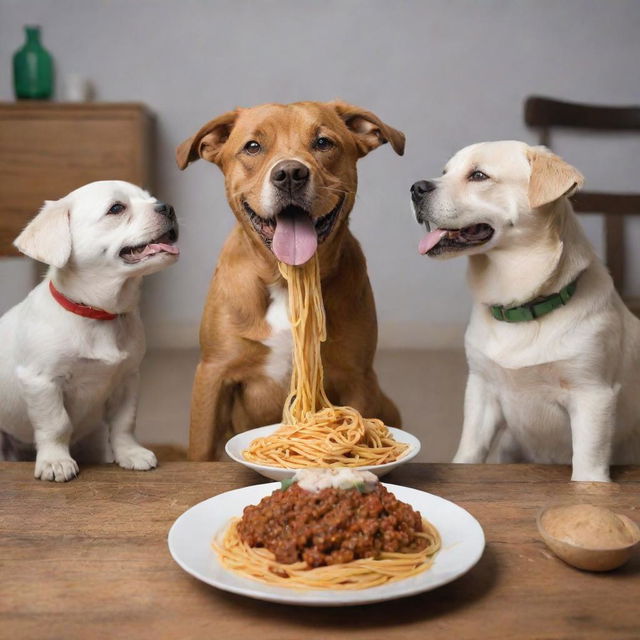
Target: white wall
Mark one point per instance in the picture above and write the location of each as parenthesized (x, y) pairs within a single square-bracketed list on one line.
[(446, 72)]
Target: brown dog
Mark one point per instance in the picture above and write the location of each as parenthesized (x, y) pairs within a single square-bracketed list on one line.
[(290, 176)]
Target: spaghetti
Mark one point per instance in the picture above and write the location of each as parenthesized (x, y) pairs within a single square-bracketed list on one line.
[(260, 564), (333, 539), (316, 433)]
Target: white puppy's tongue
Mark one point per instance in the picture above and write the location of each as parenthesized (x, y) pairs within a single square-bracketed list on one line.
[(295, 239), (430, 240), (163, 246), (157, 247)]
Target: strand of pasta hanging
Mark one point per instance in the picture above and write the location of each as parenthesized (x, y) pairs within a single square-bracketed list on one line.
[(309, 328), (316, 433)]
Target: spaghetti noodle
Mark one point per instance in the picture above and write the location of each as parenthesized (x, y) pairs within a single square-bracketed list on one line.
[(331, 539), (260, 564), (316, 433)]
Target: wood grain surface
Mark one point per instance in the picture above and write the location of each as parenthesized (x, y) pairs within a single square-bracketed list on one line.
[(89, 559)]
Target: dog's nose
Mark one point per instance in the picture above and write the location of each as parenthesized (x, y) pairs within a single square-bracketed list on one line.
[(165, 209), (420, 188), (289, 175)]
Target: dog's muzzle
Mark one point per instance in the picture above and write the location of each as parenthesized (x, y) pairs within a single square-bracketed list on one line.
[(419, 194), (289, 176), (420, 189), (164, 243), (166, 210)]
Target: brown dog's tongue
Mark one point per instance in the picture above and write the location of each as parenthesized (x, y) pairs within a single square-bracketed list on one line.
[(295, 239)]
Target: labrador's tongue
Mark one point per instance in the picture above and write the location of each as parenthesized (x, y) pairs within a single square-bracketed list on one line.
[(430, 240), (295, 239)]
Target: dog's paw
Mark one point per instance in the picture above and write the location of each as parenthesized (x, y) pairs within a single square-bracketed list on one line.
[(136, 457), (56, 470), (468, 458), (590, 476)]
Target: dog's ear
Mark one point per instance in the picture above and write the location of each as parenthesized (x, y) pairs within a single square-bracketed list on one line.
[(551, 177), (47, 237), (367, 129), (208, 142)]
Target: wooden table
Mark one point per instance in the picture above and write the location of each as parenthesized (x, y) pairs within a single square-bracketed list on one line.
[(89, 559)]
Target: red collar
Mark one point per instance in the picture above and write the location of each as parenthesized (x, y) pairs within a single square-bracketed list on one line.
[(80, 309)]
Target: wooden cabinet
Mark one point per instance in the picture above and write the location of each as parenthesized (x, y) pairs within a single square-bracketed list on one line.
[(48, 149)]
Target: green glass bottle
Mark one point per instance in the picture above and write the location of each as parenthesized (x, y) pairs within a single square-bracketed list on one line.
[(32, 69)]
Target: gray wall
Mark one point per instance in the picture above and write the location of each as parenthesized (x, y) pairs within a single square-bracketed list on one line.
[(446, 72)]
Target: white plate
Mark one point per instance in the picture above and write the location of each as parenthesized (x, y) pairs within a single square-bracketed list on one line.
[(191, 535), (240, 442)]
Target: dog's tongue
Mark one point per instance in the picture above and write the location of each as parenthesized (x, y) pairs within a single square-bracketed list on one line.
[(430, 240), (157, 247), (295, 239), (167, 248)]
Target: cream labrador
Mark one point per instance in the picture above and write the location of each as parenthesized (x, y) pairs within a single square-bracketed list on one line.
[(553, 353), (70, 352)]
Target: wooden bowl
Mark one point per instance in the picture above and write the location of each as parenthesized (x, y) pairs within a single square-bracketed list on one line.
[(589, 558)]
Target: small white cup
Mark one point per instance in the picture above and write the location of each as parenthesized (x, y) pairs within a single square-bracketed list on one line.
[(77, 88)]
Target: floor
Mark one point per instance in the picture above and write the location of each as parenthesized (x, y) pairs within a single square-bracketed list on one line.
[(427, 386)]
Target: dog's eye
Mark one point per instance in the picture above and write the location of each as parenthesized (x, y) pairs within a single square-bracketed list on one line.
[(323, 143), (477, 176), (116, 208), (252, 147)]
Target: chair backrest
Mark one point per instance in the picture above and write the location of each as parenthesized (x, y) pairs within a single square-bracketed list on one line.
[(547, 113)]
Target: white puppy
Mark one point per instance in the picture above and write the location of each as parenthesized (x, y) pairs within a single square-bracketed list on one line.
[(70, 352), (554, 355)]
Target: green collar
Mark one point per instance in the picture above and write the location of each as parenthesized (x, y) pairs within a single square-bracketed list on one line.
[(536, 308)]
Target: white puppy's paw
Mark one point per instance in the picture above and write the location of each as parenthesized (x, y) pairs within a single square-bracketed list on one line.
[(468, 458), (136, 457), (590, 476), (56, 470)]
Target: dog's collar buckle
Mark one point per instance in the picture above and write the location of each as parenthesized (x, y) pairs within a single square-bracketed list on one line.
[(80, 309), (536, 308)]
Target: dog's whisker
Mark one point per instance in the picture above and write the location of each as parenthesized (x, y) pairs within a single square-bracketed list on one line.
[(336, 189)]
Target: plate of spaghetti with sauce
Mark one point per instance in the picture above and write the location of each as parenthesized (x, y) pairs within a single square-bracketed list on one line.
[(311, 542)]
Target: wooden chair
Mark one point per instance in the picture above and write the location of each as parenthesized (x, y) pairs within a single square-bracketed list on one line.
[(546, 113)]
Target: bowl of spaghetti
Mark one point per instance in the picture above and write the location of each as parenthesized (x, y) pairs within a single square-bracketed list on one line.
[(340, 545), (315, 432), (276, 452)]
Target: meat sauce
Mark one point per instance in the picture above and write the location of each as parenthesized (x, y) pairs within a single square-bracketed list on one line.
[(331, 526)]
